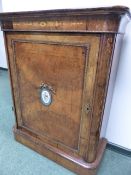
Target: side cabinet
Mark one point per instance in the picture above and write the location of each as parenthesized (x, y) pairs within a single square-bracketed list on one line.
[(60, 67)]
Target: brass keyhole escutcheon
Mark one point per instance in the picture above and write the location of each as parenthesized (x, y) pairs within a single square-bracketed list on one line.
[(87, 108)]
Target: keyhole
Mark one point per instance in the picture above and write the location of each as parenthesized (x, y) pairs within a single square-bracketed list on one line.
[(87, 109)]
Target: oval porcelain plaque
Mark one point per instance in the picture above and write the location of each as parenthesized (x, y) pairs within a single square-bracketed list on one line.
[(46, 97)]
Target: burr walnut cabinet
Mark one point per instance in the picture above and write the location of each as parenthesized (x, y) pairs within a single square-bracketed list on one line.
[(61, 64)]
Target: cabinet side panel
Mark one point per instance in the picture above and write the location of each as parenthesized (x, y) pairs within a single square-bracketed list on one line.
[(115, 62), (100, 91)]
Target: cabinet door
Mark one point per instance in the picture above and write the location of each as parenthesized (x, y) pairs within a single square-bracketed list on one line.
[(53, 78)]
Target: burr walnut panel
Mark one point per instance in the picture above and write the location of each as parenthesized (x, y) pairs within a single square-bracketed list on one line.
[(62, 66)]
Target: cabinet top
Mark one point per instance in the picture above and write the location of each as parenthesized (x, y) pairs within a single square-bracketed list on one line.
[(95, 16), (115, 10)]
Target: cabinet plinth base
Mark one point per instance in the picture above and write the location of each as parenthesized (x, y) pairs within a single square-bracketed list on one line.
[(72, 163)]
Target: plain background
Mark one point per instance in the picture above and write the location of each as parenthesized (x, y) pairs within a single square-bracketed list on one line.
[(119, 125)]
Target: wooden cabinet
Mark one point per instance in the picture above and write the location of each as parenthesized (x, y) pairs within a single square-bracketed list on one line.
[(60, 67)]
